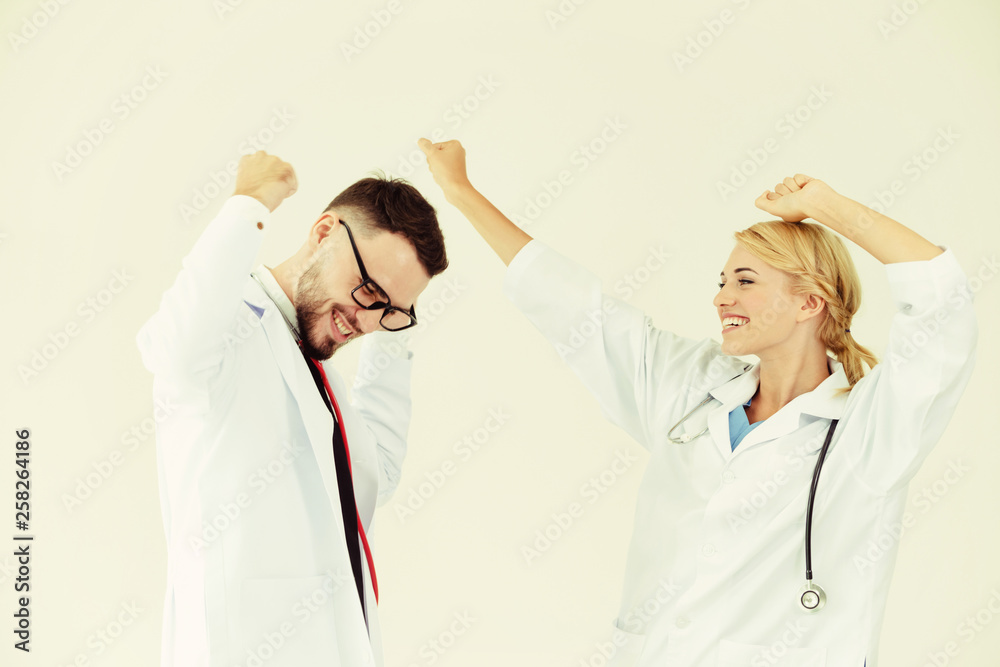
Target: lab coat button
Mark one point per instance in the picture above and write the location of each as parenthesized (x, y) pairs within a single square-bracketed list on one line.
[(708, 550), (728, 477), (682, 621)]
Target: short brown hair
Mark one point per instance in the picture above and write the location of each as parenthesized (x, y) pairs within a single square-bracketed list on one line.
[(393, 205)]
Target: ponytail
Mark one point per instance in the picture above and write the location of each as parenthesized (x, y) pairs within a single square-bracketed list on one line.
[(817, 262)]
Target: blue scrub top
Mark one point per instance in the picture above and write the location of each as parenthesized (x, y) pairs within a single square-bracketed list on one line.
[(738, 424)]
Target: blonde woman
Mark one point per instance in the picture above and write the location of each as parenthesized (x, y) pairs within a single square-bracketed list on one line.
[(747, 459)]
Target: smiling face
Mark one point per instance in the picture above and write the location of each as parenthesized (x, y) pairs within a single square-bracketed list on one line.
[(759, 314), (327, 315)]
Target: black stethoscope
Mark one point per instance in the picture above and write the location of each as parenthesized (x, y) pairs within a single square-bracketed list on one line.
[(811, 596)]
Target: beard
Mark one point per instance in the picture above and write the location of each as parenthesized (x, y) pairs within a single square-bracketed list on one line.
[(313, 318)]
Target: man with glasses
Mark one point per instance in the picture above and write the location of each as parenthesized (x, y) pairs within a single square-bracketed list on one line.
[(269, 476)]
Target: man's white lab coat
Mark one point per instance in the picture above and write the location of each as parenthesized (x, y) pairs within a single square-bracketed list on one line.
[(258, 570), (717, 558)]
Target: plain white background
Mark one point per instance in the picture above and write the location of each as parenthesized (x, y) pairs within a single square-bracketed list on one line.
[(107, 168)]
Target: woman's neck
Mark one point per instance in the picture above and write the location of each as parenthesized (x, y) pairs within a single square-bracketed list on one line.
[(782, 379)]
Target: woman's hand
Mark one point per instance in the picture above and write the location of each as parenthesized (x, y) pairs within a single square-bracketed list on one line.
[(795, 198), (446, 161), (801, 196)]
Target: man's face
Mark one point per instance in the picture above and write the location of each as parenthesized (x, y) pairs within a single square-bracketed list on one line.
[(327, 315)]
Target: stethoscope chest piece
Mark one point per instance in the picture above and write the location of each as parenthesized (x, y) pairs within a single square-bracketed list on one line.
[(811, 598)]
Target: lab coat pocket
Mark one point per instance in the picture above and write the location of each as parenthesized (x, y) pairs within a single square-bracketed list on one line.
[(624, 649), (778, 654), (283, 625)]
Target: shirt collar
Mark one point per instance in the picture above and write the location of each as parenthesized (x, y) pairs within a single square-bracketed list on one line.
[(277, 295), (820, 402), (823, 401)]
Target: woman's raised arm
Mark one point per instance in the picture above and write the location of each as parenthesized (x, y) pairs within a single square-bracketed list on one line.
[(800, 196), (446, 161)]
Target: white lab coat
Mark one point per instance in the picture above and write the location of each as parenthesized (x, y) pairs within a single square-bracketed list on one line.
[(717, 559), (258, 570)]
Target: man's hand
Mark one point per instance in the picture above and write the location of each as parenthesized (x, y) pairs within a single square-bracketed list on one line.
[(446, 162), (795, 198), (266, 178)]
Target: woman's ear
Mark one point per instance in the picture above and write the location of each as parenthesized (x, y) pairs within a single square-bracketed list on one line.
[(813, 306)]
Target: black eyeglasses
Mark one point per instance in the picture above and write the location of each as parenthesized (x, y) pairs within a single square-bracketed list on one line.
[(370, 296)]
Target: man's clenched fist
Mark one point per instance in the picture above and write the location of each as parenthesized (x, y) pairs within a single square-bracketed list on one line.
[(266, 178)]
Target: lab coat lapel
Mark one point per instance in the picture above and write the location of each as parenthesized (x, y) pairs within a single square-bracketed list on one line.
[(731, 394), (819, 403), (315, 416), (782, 422)]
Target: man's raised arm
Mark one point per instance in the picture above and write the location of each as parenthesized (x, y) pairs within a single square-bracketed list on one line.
[(187, 334)]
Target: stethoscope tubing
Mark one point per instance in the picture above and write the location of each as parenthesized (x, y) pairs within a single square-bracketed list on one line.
[(812, 497), (811, 598)]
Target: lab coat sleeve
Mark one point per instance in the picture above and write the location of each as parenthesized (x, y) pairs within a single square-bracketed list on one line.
[(186, 335), (381, 395), (633, 369), (927, 364)]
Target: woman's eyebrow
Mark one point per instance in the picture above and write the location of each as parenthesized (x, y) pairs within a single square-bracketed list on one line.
[(744, 268)]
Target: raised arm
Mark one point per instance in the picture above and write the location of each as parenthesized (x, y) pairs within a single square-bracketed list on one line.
[(187, 334), (911, 395), (446, 161), (635, 371), (799, 197)]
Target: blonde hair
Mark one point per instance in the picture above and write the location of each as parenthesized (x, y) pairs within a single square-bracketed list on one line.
[(817, 262)]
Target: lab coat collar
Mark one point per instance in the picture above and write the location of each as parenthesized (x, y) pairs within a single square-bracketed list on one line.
[(298, 378), (277, 295), (820, 403)]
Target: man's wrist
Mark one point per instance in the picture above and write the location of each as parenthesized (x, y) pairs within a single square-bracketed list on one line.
[(263, 200), (249, 207)]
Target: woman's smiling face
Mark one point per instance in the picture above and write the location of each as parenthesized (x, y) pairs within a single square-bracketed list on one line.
[(755, 305)]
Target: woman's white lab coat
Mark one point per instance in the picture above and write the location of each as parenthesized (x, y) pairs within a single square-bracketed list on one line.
[(717, 558)]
